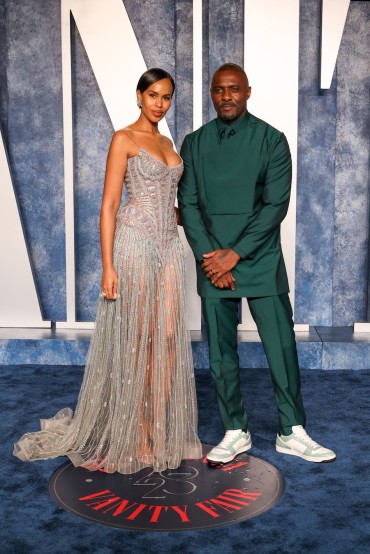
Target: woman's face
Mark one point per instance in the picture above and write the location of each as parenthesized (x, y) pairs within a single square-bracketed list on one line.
[(156, 100)]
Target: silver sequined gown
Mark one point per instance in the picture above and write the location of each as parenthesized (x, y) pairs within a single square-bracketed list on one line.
[(137, 404)]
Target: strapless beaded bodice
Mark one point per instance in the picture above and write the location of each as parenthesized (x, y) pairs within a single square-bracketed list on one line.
[(151, 186)]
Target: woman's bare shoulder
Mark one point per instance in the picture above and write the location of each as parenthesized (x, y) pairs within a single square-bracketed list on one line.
[(121, 140), (122, 135)]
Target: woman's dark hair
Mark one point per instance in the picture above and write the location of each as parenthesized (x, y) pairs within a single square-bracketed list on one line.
[(152, 76)]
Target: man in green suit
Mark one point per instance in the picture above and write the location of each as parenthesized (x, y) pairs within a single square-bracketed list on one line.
[(233, 196)]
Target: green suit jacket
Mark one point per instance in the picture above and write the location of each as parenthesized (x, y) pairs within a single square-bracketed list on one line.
[(234, 193)]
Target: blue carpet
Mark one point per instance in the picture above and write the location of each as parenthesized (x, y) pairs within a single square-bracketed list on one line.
[(325, 508)]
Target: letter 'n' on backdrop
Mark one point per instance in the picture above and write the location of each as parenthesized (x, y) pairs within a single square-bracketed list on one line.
[(117, 63)]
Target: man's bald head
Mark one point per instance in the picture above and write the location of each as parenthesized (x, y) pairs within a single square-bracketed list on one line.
[(231, 67)]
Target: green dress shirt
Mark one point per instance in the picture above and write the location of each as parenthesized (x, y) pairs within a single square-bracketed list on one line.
[(234, 193)]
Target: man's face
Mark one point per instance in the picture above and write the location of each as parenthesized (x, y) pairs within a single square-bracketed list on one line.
[(230, 91)]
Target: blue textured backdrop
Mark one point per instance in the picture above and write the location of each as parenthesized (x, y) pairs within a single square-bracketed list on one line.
[(332, 268), (333, 182), (31, 118)]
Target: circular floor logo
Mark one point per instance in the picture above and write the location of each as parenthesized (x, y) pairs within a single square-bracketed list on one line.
[(194, 496)]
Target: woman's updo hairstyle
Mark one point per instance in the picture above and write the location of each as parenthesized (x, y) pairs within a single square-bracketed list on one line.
[(152, 76)]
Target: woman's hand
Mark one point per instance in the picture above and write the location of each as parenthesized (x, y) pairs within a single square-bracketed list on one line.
[(109, 283)]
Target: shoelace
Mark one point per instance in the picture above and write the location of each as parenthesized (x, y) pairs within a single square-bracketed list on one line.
[(228, 438), (303, 435)]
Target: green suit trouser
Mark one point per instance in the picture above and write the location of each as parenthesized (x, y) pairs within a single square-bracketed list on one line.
[(273, 317)]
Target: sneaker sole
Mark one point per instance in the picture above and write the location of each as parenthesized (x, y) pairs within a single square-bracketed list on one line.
[(226, 460), (304, 456)]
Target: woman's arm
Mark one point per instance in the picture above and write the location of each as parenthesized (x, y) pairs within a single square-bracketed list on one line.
[(114, 175)]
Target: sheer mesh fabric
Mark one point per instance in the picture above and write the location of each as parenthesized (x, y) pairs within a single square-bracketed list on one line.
[(137, 404)]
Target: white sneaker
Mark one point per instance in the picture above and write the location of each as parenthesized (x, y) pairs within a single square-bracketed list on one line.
[(300, 444), (234, 443)]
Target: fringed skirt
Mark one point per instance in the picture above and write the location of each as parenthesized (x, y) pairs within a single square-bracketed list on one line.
[(137, 403)]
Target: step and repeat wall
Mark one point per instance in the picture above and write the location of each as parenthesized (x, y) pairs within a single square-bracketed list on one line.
[(68, 74)]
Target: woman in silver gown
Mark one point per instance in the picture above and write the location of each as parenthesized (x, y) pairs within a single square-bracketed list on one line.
[(137, 404)]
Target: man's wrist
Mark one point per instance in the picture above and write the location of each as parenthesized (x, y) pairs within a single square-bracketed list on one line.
[(238, 251), (235, 254)]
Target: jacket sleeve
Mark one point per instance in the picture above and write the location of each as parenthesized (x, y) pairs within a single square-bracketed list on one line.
[(191, 215), (275, 201)]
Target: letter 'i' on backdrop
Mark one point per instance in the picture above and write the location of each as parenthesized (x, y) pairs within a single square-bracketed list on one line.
[(275, 95), (275, 87)]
